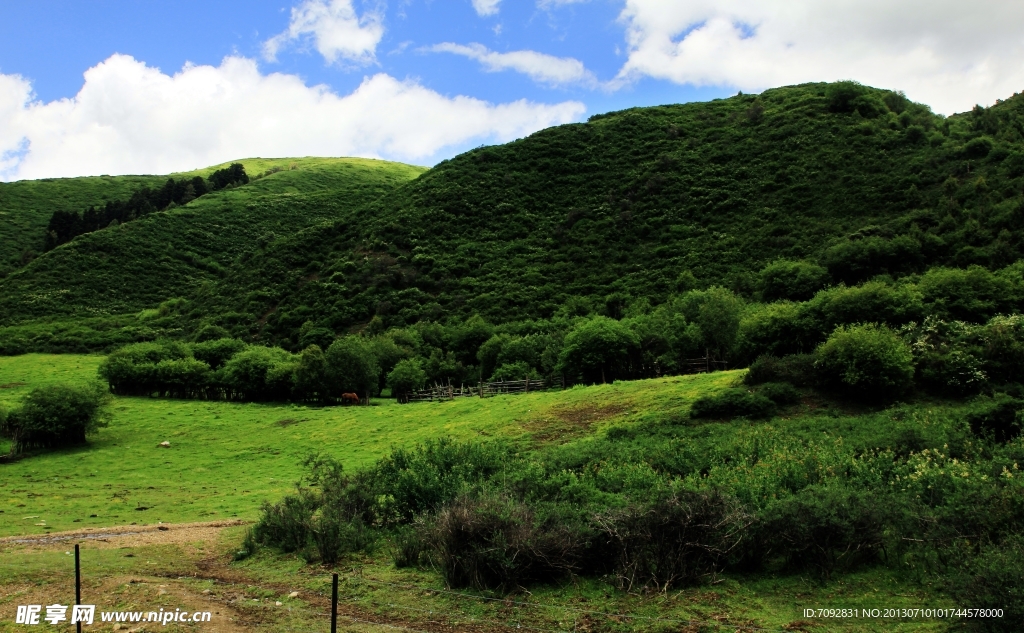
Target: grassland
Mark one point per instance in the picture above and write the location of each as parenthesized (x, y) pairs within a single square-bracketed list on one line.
[(227, 458)]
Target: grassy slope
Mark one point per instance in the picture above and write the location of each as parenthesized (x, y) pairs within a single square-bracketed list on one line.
[(142, 263), (227, 458), (629, 200)]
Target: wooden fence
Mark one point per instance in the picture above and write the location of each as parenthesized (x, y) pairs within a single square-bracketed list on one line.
[(442, 392), (488, 389), (702, 365)]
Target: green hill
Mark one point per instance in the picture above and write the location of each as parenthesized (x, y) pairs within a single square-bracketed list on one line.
[(26, 207), (644, 202), (140, 264)]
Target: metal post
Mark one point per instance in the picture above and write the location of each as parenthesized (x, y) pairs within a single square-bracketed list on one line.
[(78, 585), (334, 604)]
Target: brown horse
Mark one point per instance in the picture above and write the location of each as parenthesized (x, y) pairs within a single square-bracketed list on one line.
[(349, 398)]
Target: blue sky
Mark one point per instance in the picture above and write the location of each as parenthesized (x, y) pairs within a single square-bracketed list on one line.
[(119, 86)]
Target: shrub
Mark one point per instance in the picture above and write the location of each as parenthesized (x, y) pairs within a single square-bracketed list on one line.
[(822, 529), (55, 416), (1003, 348), (681, 539), (993, 580), (867, 360), (999, 418), (796, 369), (494, 542), (972, 295), (795, 281), (732, 403), (781, 393)]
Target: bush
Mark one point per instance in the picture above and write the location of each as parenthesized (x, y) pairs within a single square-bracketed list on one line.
[(867, 360), (732, 403), (796, 369), (999, 418), (681, 539), (781, 393), (794, 281), (494, 542), (993, 580), (55, 416), (822, 529)]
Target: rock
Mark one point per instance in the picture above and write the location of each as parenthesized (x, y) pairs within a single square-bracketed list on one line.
[(163, 528), (117, 627), (164, 444), (207, 592), (294, 594), (278, 603)]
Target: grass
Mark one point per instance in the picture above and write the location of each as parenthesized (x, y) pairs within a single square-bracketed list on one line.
[(227, 458)]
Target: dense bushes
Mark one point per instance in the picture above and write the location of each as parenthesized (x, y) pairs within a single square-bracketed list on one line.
[(733, 403), (823, 529), (870, 361), (54, 416), (669, 505), (229, 369)]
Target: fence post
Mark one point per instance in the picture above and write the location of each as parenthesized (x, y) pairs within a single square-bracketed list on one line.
[(78, 585), (334, 604)]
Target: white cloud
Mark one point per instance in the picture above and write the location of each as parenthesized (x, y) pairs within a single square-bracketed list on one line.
[(130, 118), (486, 7), (547, 69), (936, 50), (336, 29)]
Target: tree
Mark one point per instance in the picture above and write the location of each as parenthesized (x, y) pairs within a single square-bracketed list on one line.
[(716, 311), (352, 367), (598, 350), (55, 416), (249, 373), (407, 376), (311, 382)]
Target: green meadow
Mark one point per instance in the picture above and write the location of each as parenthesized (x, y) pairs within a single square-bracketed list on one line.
[(227, 458)]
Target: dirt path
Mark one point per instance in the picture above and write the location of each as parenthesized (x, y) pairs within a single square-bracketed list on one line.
[(126, 535)]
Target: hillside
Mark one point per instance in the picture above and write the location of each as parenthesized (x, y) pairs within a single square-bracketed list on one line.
[(26, 207), (649, 201), (169, 254)]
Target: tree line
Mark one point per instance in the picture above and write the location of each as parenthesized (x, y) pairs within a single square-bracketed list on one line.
[(953, 331), (65, 226)]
